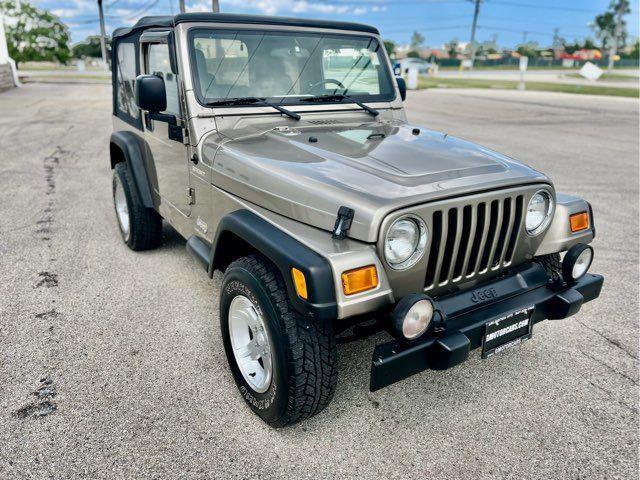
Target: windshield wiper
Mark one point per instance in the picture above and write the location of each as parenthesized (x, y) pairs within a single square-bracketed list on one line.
[(339, 97), (252, 101)]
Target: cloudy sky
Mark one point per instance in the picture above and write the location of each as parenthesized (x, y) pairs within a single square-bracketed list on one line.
[(438, 20)]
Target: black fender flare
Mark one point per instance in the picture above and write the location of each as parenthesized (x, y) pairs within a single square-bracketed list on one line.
[(133, 149), (285, 252)]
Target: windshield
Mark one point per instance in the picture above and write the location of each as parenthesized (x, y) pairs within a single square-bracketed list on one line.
[(287, 68)]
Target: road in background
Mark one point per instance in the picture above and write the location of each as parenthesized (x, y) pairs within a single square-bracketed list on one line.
[(112, 365), (622, 78)]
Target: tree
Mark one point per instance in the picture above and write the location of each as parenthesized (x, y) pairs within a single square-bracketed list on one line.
[(90, 47), (634, 54), (413, 54), (417, 39), (571, 48), (604, 25), (452, 48), (389, 46), (530, 50), (34, 34)]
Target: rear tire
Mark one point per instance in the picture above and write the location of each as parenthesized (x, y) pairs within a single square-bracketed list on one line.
[(301, 351), (141, 227)]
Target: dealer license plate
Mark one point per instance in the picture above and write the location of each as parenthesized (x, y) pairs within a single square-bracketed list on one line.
[(506, 332)]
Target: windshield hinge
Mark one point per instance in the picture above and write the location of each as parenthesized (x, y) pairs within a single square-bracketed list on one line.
[(191, 196), (343, 222)]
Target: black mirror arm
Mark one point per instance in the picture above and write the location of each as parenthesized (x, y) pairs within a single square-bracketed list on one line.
[(163, 117)]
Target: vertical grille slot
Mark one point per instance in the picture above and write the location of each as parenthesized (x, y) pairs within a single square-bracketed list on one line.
[(452, 233), (435, 248), (493, 225), (506, 223), (465, 242), (519, 210), (477, 238)]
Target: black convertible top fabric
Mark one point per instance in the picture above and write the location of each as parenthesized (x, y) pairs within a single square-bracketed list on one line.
[(170, 21)]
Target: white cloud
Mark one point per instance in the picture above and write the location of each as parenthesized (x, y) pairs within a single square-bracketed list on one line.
[(275, 7), (82, 15)]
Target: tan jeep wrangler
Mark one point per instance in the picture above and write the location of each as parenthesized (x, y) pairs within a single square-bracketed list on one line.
[(280, 149)]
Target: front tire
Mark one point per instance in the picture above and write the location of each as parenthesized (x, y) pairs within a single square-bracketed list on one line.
[(283, 363), (140, 227)]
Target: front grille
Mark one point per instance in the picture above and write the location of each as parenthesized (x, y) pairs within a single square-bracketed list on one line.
[(469, 240)]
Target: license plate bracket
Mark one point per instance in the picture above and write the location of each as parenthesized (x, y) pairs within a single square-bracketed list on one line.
[(508, 331)]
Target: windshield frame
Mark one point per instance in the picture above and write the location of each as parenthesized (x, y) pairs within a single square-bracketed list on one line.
[(290, 101)]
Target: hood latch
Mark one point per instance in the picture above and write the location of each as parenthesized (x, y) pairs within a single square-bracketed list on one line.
[(343, 222)]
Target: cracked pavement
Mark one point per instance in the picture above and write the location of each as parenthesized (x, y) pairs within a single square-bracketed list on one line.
[(112, 366)]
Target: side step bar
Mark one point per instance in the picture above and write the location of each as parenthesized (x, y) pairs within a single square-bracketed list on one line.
[(200, 250)]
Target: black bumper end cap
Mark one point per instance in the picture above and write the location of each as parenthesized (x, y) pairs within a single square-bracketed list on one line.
[(565, 304), (449, 351)]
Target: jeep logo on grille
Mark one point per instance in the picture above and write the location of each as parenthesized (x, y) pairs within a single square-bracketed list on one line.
[(484, 295)]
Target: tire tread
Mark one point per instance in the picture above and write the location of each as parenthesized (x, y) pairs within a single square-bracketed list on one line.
[(145, 223), (311, 347)]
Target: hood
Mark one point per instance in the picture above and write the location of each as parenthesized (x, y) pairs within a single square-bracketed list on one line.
[(308, 170)]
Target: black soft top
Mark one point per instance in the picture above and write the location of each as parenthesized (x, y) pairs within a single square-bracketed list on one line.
[(170, 21)]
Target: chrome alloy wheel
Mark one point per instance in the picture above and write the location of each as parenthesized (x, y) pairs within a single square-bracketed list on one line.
[(122, 210), (250, 343)]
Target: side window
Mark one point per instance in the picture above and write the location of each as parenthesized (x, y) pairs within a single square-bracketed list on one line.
[(126, 78), (158, 64)]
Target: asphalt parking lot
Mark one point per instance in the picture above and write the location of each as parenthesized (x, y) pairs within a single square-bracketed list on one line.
[(112, 366)]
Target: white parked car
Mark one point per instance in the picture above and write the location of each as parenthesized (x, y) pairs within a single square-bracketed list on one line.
[(422, 65)]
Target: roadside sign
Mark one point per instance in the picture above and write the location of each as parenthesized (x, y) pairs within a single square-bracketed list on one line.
[(412, 78), (591, 71)]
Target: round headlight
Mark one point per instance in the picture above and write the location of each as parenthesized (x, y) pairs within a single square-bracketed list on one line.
[(539, 212), (405, 242)]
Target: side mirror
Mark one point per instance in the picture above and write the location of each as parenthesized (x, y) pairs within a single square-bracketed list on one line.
[(150, 93), (402, 86)]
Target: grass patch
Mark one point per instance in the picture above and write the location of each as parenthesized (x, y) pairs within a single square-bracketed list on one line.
[(35, 67), (63, 78), (608, 76), (435, 82)]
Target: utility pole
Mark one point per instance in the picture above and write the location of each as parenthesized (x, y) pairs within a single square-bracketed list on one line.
[(524, 37), (476, 12), (557, 43), (182, 10), (103, 36), (613, 47), (215, 6)]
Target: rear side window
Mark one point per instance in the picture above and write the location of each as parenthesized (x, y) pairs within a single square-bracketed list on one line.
[(126, 72)]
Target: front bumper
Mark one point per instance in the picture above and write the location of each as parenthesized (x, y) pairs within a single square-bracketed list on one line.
[(465, 322)]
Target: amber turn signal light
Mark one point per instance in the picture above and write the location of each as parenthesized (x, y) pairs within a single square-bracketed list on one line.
[(300, 283), (579, 221), (359, 280)]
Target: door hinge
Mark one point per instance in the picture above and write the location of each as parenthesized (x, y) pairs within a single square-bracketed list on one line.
[(191, 196)]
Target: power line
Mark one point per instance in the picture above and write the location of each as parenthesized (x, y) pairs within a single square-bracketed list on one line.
[(144, 9), (512, 30), (542, 7), (106, 7), (433, 29)]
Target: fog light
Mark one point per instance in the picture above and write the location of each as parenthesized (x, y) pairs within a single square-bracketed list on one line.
[(576, 262), (412, 315)]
